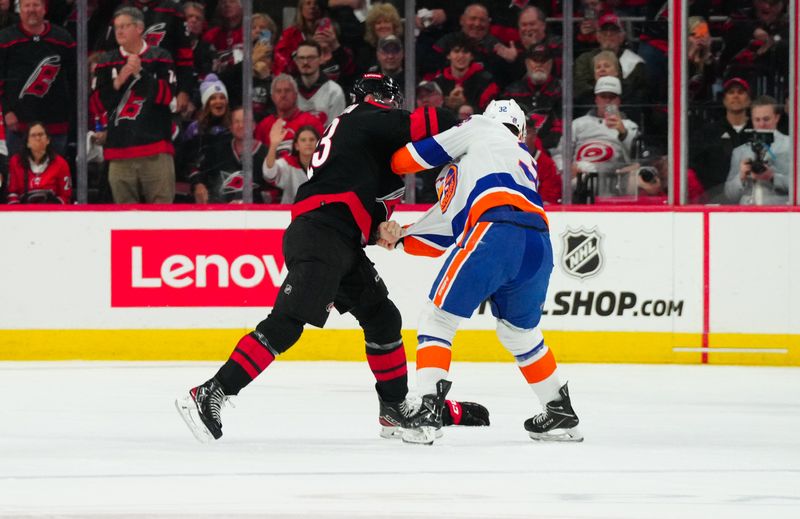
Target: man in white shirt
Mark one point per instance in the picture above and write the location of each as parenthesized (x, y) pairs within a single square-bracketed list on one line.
[(318, 94), (759, 173)]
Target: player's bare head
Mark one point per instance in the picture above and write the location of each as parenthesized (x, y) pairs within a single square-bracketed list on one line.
[(379, 88)]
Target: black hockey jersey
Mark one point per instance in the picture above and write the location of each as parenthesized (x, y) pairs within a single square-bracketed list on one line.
[(138, 114), (165, 27), (351, 164), (37, 76), (221, 172)]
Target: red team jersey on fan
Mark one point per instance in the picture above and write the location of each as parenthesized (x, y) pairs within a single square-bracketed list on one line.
[(55, 179)]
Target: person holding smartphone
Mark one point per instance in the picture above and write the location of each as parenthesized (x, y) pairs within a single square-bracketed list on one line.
[(603, 138)]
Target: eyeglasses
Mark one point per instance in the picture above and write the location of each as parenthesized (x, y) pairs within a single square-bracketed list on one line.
[(123, 26)]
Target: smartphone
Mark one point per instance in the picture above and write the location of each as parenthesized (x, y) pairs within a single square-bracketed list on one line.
[(589, 13), (324, 24), (265, 36)]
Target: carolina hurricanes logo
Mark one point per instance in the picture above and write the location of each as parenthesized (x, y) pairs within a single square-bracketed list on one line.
[(154, 34), (40, 81), (132, 107), (446, 186), (232, 184), (595, 151)]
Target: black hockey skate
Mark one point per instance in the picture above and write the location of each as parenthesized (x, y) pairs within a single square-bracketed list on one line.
[(201, 410), (425, 425), (558, 422), (392, 417)]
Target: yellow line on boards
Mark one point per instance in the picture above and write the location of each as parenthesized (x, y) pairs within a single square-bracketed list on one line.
[(348, 345)]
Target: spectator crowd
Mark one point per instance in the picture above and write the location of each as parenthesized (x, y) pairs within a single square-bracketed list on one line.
[(166, 122)]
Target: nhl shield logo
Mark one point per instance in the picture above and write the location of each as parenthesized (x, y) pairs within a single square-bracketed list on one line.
[(581, 256)]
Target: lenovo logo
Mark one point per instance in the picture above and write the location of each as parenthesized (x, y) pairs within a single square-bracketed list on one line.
[(196, 267)]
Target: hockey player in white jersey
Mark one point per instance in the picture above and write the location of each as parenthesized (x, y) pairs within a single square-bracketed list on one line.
[(491, 214)]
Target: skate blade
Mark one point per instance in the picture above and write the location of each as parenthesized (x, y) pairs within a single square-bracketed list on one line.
[(558, 435), (421, 436), (188, 411), (390, 432)]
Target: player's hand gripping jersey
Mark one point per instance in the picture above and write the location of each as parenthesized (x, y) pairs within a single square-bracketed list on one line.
[(351, 163), (466, 191)]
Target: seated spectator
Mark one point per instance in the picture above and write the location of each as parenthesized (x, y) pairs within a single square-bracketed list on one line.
[(434, 19), (475, 25), (220, 179), (284, 96), (318, 94), (306, 23), (7, 15), (382, 20), (760, 173), (465, 112), (336, 60), (287, 173), (611, 36), (588, 12), (37, 174), (464, 81), (135, 87), (429, 93), (349, 16), (226, 34), (390, 59), (703, 64), (550, 187), (604, 63), (603, 138), (262, 81), (532, 27), (203, 51), (539, 90), (757, 45), (710, 149), (212, 125)]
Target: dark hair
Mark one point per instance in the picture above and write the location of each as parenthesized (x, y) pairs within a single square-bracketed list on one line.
[(25, 152), (309, 43), (306, 128), (462, 41)]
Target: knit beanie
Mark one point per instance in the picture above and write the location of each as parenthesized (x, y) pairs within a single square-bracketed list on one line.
[(211, 85)]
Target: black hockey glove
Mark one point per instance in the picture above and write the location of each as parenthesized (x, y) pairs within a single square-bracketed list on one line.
[(464, 413)]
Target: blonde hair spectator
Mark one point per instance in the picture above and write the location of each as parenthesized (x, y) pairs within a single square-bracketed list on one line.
[(381, 13)]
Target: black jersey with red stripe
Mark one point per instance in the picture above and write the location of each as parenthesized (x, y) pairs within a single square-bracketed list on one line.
[(138, 114), (37, 75), (351, 164), (165, 27)]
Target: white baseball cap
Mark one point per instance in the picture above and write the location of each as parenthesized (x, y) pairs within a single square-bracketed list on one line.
[(608, 84)]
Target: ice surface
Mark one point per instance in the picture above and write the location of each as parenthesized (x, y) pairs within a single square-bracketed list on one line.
[(83, 439)]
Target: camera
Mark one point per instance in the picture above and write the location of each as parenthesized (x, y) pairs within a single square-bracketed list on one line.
[(649, 174), (759, 142)]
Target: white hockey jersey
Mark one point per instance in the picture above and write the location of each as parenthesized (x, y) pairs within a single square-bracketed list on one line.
[(488, 168), (595, 143)]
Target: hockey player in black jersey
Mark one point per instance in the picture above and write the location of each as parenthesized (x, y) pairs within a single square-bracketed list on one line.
[(351, 191)]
